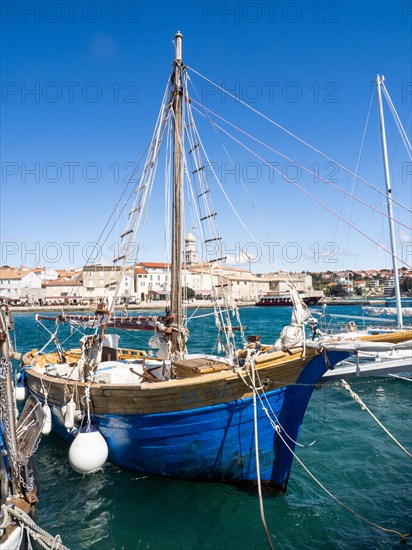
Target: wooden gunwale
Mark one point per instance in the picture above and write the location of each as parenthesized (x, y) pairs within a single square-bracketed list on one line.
[(278, 369), (173, 395)]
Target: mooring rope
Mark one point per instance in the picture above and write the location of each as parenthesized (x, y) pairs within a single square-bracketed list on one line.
[(278, 429), (365, 408), (39, 535), (403, 536), (256, 435)]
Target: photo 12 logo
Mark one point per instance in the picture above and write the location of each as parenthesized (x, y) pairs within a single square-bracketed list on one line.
[(69, 11), (252, 92), (255, 253), (68, 172), (270, 12), (69, 92)]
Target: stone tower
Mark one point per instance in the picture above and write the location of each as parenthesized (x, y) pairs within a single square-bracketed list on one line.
[(190, 249)]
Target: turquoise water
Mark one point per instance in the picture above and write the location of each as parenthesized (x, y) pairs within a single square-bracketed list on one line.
[(121, 509)]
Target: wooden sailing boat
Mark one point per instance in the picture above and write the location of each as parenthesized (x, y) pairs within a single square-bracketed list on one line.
[(190, 416)]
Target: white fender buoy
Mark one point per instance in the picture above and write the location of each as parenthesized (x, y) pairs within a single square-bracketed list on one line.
[(20, 391), (89, 451), (69, 414), (78, 415), (47, 425)]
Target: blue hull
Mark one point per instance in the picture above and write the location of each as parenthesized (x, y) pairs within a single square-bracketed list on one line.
[(214, 442)]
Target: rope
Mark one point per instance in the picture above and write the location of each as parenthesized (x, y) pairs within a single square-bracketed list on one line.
[(286, 277), (308, 170), (221, 314), (296, 137), (395, 115), (278, 428), (402, 536), (313, 197), (277, 421), (256, 435), (365, 408), (39, 535)]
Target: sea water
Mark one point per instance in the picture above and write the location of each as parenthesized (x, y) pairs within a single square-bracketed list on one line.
[(342, 447)]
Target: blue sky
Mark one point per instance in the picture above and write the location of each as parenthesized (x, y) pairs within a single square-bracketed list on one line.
[(81, 88)]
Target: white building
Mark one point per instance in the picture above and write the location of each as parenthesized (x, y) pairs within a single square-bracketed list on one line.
[(389, 288), (141, 284), (99, 281), (47, 274), (19, 285), (62, 291)]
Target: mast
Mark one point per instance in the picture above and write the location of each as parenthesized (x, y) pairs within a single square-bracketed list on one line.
[(379, 81), (177, 204)]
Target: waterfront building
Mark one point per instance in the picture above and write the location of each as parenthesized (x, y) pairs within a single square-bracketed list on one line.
[(19, 285)]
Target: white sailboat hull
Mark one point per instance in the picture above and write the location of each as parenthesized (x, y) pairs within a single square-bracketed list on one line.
[(381, 364)]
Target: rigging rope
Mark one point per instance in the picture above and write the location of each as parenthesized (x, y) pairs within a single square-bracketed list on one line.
[(234, 209), (308, 170), (354, 180), (296, 137), (365, 408), (256, 437), (287, 278), (46, 540), (278, 429), (221, 319), (398, 122), (306, 193), (402, 536)]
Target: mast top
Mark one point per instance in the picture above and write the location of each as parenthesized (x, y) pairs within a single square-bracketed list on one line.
[(178, 38)]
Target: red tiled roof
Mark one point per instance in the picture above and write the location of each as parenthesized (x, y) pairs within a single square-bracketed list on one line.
[(59, 282), (155, 264), (14, 273)]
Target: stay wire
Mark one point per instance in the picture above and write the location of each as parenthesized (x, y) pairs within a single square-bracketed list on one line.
[(295, 137), (351, 195), (379, 245)]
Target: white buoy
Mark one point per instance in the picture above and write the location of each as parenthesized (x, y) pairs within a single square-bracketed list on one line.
[(47, 425), (89, 451), (20, 391), (69, 414)]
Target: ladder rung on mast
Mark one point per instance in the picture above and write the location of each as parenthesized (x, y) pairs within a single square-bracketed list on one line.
[(212, 240), (198, 169), (209, 216), (223, 258)]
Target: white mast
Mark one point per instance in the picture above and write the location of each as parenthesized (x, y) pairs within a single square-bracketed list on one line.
[(379, 81)]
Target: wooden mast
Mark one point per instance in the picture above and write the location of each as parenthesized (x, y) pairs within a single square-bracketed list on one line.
[(177, 205)]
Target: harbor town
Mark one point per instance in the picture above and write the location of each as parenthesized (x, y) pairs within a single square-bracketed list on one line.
[(147, 283), (223, 156)]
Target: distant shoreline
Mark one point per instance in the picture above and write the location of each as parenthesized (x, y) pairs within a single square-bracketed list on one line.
[(161, 304)]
